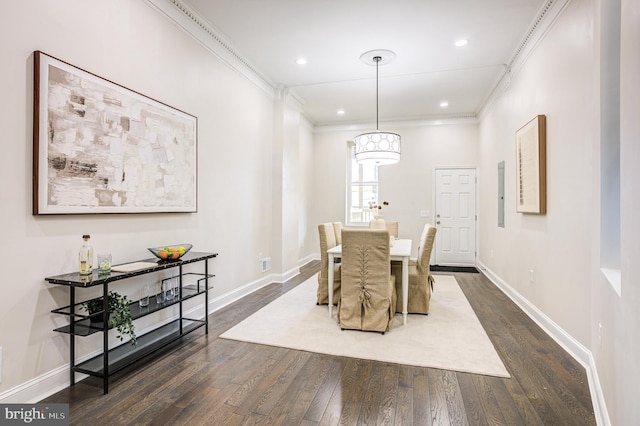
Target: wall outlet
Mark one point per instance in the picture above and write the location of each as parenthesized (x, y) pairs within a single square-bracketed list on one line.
[(266, 264), (600, 334)]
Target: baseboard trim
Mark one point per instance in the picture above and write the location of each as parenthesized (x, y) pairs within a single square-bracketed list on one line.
[(564, 339)]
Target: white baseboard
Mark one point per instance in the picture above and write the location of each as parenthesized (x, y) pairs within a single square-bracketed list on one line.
[(57, 379), (309, 258), (564, 339), (38, 388)]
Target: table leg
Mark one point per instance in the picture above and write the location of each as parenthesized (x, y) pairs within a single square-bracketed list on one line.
[(330, 283), (405, 288)]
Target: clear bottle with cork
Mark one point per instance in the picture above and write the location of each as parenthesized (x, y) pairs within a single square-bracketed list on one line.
[(86, 256)]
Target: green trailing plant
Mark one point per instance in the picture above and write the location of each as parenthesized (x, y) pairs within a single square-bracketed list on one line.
[(119, 314)]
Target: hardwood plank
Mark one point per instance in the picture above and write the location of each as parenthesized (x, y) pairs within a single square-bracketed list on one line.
[(404, 410), (388, 397), (326, 392), (317, 369), (488, 401), (292, 406), (453, 396), (421, 400), (471, 400), (265, 389), (354, 380), (438, 399), (372, 397)]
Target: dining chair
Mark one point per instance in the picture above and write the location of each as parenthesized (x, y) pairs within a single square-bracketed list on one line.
[(368, 293), (420, 278), (377, 223), (337, 230), (392, 227), (327, 240)]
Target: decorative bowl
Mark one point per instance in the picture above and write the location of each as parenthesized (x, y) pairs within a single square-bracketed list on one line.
[(171, 252)]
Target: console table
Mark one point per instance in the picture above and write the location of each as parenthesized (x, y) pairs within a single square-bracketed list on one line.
[(112, 360)]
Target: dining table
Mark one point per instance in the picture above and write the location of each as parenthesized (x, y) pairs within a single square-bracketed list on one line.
[(400, 250)]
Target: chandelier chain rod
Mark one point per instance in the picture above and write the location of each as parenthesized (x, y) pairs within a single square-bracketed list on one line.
[(377, 59)]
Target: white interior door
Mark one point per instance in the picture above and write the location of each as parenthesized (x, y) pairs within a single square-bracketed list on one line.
[(455, 206)]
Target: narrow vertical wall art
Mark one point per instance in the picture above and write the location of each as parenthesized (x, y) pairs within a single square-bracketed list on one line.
[(531, 167)]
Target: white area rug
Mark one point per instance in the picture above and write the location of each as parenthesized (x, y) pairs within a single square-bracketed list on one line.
[(450, 337)]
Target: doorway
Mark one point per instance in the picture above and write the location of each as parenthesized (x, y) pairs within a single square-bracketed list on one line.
[(455, 216)]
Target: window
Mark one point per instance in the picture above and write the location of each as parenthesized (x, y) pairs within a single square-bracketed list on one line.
[(362, 189)]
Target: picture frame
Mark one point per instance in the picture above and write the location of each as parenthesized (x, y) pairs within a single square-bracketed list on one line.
[(531, 167), (99, 147)]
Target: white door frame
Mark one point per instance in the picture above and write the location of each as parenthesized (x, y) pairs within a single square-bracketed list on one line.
[(434, 199)]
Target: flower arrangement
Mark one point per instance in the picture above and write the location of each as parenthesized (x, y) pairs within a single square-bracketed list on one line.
[(377, 208)]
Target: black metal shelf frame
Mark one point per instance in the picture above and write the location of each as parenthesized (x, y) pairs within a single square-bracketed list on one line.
[(112, 360)]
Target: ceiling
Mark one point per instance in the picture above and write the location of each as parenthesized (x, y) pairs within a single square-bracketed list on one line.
[(332, 35)]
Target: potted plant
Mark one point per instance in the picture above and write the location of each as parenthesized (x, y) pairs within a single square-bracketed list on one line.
[(119, 314)]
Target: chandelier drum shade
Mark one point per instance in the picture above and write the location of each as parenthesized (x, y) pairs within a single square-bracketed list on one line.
[(377, 147)]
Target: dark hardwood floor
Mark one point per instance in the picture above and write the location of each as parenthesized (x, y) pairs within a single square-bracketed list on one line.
[(205, 380)]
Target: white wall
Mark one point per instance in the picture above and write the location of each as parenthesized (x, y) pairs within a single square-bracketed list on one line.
[(407, 185), (561, 80), (131, 44), (555, 80), (308, 250)]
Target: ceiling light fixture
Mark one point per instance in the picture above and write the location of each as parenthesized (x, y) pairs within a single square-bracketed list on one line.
[(444, 104), (301, 61), (461, 43), (377, 147)]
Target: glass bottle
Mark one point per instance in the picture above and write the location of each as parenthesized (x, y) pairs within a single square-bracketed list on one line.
[(86, 256)]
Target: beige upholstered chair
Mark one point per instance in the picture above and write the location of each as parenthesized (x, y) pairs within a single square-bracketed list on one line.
[(337, 230), (377, 223), (327, 241), (368, 297), (392, 227), (420, 279)]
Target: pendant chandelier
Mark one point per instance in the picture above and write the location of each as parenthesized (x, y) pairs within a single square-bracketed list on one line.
[(377, 147)]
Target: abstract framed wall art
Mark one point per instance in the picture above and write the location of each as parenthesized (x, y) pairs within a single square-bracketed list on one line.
[(99, 147), (531, 167)]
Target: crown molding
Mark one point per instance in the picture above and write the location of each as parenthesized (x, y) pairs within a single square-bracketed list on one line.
[(202, 31), (546, 17), (459, 120), (178, 12)]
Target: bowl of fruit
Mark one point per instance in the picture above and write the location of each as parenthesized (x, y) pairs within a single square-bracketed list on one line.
[(172, 252)]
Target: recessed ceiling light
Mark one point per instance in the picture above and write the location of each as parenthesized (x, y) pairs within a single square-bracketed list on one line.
[(462, 42), (301, 61), (444, 104), (340, 112)]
